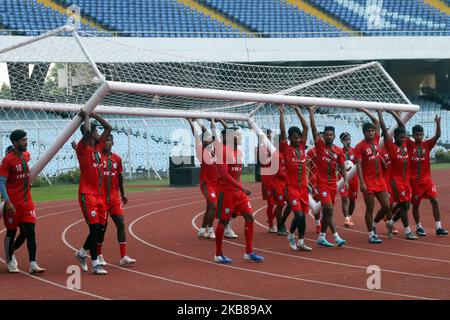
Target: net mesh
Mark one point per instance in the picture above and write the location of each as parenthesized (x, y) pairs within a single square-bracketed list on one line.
[(55, 70)]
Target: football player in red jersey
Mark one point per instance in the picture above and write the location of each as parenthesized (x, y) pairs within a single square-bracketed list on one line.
[(370, 175), (294, 155), (399, 176), (349, 195), (267, 179), (19, 210), (115, 198), (90, 189), (422, 184), (205, 153), (233, 196), (329, 159)]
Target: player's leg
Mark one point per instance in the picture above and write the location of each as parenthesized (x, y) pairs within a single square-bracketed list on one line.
[(369, 200), (90, 206), (383, 200), (119, 222), (223, 214), (248, 232), (103, 225), (11, 263), (202, 231), (20, 240), (29, 229), (440, 231), (286, 212), (345, 205)]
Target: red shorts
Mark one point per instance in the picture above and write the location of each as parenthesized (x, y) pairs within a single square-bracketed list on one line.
[(114, 207), (24, 213), (352, 192), (401, 190), (92, 207), (232, 202), (424, 189), (327, 195), (298, 198), (209, 192), (376, 186), (279, 194), (270, 197)]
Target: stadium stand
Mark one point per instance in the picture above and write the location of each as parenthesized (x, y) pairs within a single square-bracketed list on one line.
[(271, 18), (274, 18), (156, 18), (31, 17), (390, 17)]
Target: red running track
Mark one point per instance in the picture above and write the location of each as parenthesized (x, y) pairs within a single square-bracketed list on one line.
[(173, 264)]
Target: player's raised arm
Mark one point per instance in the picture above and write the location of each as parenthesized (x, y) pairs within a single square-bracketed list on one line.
[(224, 124), (373, 119), (383, 127), (303, 122), (397, 118), (87, 134), (437, 135), (105, 124), (282, 123), (312, 121)]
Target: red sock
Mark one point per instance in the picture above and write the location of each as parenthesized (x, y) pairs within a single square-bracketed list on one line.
[(220, 229), (248, 237), (99, 248), (123, 249), (269, 213)]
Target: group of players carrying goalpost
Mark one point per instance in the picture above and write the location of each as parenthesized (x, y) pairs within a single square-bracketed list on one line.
[(396, 174), (399, 173)]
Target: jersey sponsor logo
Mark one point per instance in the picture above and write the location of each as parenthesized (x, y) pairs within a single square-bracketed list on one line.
[(227, 210), (93, 213), (324, 194), (343, 190), (213, 195), (280, 197), (10, 220), (403, 193), (249, 205), (294, 202)]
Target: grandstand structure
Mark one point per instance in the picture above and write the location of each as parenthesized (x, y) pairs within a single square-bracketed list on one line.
[(234, 19)]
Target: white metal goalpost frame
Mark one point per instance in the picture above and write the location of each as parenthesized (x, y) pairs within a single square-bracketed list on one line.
[(162, 90)]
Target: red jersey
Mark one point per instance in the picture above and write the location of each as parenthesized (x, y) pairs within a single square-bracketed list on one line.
[(208, 170), (112, 167), (419, 157), (369, 154), (17, 175), (266, 162), (312, 175), (91, 174), (387, 160), (399, 161), (295, 162), (232, 159), (279, 178), (327, 160)]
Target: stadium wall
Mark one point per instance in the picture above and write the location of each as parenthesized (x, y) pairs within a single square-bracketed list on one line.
[(266, 50)]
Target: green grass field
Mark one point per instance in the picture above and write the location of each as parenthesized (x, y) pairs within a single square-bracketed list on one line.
[(66, 192)]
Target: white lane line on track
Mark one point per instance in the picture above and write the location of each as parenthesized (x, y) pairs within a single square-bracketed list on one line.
[(130, 229), (325, 261), (59, 285), (63, 237), (389, 253)]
